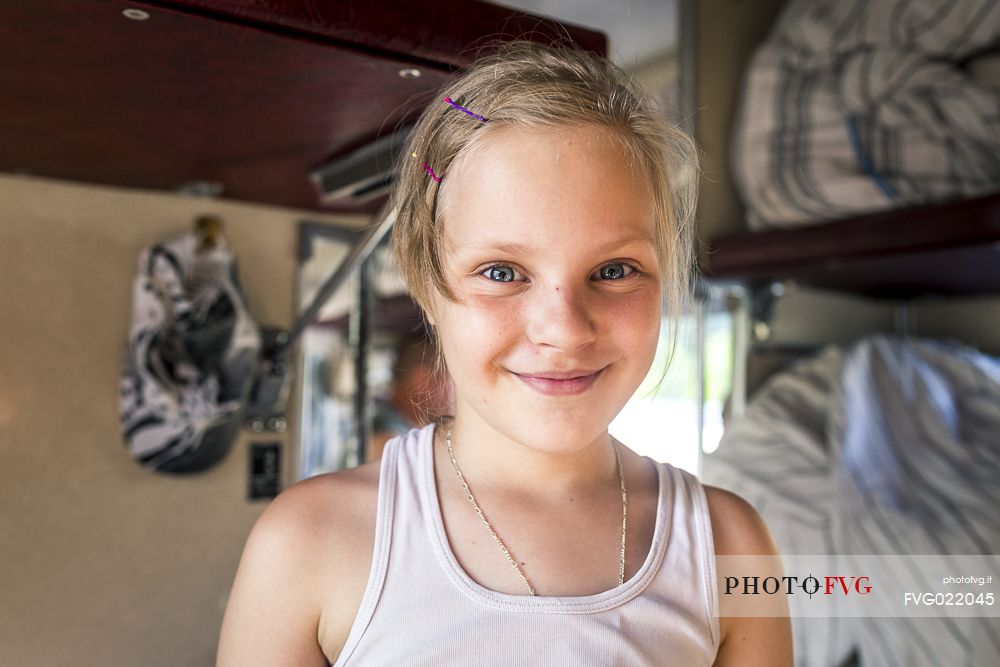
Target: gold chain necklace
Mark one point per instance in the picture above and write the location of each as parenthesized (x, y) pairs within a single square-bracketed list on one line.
[(475, 505)]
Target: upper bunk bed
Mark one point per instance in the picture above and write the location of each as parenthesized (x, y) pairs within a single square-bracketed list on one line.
[(948, 248), (941, 249), (286, 103)]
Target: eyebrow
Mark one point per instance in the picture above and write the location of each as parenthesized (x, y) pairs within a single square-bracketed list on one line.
[(515, 248)]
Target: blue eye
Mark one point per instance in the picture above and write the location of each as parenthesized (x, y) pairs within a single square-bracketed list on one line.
[(499, 273), (615, 271), (503, 273)]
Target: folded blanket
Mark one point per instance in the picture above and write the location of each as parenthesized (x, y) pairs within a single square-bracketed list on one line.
[(858, 106)]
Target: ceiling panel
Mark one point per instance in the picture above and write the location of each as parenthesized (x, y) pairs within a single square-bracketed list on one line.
[(637, 30), (251, 96)]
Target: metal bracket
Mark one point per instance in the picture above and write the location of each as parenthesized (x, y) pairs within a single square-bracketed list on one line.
[(268, 401)]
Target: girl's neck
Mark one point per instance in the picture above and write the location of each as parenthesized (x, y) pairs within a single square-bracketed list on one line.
[(491, 460)]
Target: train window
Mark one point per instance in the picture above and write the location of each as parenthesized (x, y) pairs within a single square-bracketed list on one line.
[(677, 411), (330, 435)]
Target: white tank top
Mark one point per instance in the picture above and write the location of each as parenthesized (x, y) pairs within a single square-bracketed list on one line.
[(421, 608)]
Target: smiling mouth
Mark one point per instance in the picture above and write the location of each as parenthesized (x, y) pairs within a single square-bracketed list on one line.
[(552, 385)]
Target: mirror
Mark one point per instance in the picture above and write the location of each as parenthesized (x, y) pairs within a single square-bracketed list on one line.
[(366, 364)]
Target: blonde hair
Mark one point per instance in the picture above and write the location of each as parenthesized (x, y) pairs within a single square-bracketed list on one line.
[(527, 84)]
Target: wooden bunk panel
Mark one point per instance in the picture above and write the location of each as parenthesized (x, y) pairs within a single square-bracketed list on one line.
[(251, 95), (439, 32), (951, 248)]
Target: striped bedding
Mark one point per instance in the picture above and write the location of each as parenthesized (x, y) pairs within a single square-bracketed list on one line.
[(887, 446), (855, 106)]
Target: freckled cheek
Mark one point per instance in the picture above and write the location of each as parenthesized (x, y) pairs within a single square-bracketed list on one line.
[(633, 320), (481, 331), (487, 318), (639, 309)]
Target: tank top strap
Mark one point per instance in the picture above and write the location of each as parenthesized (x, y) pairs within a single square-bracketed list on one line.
[(387, 489), (691, 552)]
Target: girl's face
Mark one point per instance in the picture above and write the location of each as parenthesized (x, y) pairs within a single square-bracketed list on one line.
[(548, 245)]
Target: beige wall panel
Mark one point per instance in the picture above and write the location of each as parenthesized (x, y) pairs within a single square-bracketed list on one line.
[(101, 562)]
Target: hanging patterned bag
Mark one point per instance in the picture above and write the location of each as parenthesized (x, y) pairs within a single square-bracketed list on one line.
[(192, 355)]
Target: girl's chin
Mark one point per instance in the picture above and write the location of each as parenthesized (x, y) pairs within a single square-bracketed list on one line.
[(553, 429)]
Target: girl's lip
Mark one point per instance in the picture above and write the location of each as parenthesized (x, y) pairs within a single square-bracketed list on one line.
[(568, 387)]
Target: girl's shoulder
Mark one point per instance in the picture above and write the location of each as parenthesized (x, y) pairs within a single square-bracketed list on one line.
[(739, 530), (309, 555), (343, 506), (320, 509)]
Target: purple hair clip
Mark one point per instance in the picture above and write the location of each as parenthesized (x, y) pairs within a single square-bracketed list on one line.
[(463, 109)]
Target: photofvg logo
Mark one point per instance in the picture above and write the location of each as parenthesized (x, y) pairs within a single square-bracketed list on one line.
[(810, 585), (853, 585)]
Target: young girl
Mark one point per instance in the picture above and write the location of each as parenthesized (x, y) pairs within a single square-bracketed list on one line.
[(543, 216)]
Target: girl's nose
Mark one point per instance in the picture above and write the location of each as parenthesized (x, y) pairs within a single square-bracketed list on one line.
[(560, 316)]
